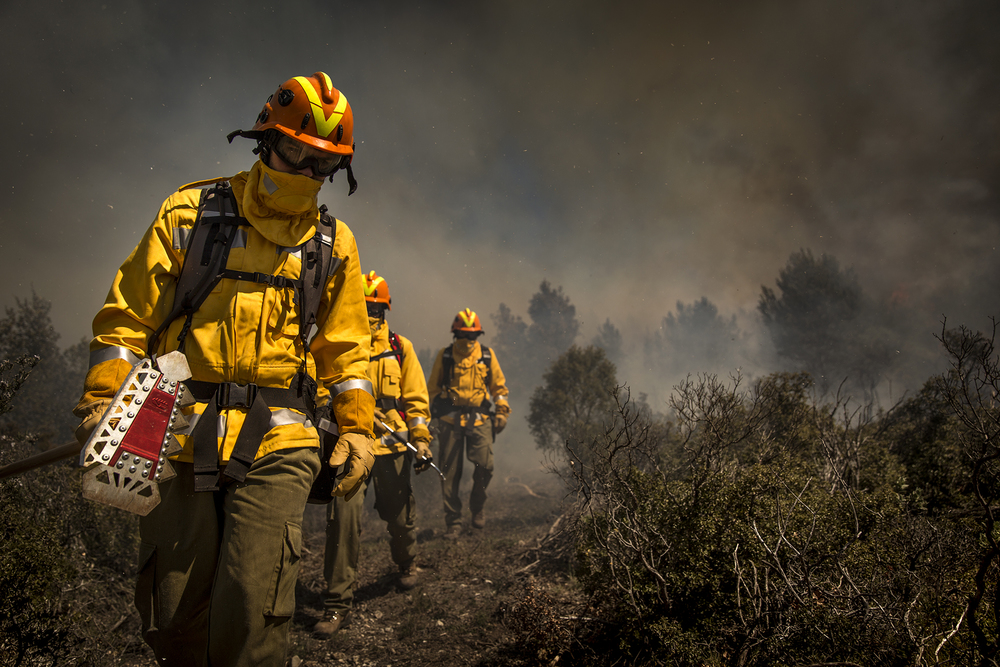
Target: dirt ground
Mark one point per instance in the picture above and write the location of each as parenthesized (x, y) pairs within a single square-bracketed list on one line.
[(477, 599)]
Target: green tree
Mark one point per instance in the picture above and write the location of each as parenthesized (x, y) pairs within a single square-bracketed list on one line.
[(574, 400)]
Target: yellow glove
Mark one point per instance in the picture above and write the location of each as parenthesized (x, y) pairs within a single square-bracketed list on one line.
[(377, 426), (499, 422), (424, 456), (354, 449), (93, 411)]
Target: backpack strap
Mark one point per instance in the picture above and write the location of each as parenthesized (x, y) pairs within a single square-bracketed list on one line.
[(487, 358), (318, 264), (447, 366), (209, 240), (258, 402)]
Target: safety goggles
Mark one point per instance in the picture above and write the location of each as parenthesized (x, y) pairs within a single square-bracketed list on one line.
[(298, 155)]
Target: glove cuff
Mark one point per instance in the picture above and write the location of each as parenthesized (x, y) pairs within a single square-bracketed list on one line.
[(354, 410)]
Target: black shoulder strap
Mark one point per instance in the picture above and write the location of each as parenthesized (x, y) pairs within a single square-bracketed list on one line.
[(318, 264), (447, 366), (209, 241), (487, 358)]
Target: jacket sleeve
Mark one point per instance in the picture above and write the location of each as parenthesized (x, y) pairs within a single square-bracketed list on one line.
[(414, 393), (140, 298), (498, 388), (341, 346)]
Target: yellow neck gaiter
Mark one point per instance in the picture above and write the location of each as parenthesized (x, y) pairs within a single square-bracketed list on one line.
[(282, 207), (463, 347)]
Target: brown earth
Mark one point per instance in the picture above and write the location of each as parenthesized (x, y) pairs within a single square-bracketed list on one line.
[(486, 599)]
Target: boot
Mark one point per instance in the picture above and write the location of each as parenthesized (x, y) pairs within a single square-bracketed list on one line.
[(479, 520), (408, 577), (453, 531), (331, 623)]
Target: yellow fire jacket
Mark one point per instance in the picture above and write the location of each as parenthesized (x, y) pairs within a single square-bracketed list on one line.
[(467, 384), (403, 383), (244, 331)]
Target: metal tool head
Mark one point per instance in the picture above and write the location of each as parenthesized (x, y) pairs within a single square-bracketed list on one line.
[(126, 455)]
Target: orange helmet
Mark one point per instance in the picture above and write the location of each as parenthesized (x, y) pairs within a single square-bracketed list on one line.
[(467, 321), (377, 290), (310, 110)]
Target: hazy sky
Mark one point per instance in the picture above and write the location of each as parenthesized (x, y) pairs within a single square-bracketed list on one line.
[(635, 153)]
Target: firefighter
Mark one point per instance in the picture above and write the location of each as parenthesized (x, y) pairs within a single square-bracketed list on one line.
[(470, 405), (402, 405), (218, 558)]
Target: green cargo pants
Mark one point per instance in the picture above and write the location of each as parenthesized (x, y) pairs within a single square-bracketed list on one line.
[(390, 476), (454, 444), (217, 569)]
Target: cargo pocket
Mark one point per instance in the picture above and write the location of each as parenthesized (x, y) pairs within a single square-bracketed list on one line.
[(145, 588), (281, 595), (389, 382)]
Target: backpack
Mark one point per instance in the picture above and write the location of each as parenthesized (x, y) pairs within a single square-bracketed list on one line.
[(208, 243), (443, 403)]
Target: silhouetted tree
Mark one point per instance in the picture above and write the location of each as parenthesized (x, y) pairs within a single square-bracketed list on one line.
[(822, 322), (44, 403), (553, 323), (695, 340), (609, 339), (526, 350)]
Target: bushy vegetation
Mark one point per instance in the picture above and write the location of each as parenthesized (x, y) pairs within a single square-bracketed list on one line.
[(758, 525), (66, 565)]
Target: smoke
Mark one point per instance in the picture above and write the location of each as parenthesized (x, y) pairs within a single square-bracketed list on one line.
[(637, 155)]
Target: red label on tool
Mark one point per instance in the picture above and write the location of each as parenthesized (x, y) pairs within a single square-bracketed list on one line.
[(145, 436)]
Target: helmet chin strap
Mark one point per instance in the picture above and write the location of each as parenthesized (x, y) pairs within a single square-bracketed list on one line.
[(352, 183)]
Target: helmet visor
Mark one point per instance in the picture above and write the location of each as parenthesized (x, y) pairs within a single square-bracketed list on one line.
[(299, 156)]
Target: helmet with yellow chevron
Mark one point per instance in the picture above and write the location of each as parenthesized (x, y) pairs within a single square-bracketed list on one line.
[(377, 290), (466, 324), (308, 123)]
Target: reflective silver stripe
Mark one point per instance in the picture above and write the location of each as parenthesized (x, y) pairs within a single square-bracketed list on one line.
[(458, 413), (294, 252), (112, 352), (212, 213), (328, 240), (396, 437), (329, 426), (220, 427), (181, 235), (334, 265), (241, 239), (413, 421), (347, 385), (285, 416)]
